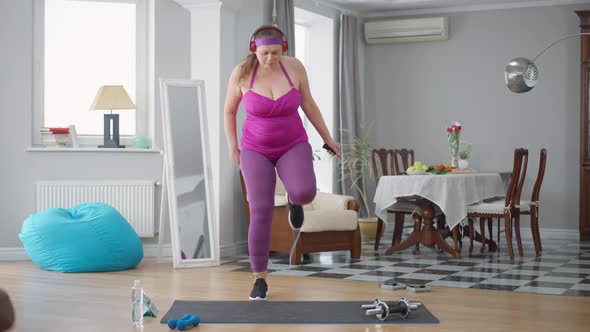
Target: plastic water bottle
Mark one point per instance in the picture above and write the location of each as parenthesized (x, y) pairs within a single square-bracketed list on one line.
[(137, 303)]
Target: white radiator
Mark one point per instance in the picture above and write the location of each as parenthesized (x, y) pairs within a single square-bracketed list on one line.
[(134, 199)]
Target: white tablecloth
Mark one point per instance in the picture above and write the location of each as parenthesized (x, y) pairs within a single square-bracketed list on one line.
[(451, 192)]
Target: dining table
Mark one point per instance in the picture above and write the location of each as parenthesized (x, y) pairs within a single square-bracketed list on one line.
[(434, 195)]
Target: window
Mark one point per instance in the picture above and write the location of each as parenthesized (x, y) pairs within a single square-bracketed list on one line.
[(80, 46), (300, 48), (315, 48), (300, 42)]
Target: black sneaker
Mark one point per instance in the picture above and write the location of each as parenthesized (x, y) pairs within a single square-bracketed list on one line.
[(295, 215), (259, 290)]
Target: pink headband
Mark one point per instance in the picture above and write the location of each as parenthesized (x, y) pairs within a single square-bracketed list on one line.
[(269, 41)]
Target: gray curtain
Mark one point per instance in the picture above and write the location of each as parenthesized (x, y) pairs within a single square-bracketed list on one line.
[(286, 22), (348, 111)]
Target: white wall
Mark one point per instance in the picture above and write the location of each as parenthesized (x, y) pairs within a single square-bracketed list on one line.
[(20, 170), (413, 90)]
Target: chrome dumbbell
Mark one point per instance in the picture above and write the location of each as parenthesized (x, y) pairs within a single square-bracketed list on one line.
[(382, 310)]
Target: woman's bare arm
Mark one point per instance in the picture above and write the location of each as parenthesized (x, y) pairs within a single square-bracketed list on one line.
[(311, 109), (232, 101)]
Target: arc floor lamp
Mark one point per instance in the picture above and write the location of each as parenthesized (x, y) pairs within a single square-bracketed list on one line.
[(521, 76)]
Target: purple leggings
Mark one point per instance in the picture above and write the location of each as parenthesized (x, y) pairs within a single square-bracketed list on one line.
[(295, 168)]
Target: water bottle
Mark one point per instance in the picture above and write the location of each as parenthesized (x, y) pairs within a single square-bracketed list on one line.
[(137, 303)]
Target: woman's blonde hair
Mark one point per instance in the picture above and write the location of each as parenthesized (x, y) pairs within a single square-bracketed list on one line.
[(249, 62)]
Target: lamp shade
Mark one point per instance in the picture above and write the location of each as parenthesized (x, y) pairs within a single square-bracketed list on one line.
[(112, 97), (521, 75)]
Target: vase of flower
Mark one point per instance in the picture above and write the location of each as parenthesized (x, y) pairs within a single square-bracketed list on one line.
[(463, 164), (453, 135)]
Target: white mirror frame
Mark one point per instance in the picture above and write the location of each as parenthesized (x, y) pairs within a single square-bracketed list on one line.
[(199, 85)]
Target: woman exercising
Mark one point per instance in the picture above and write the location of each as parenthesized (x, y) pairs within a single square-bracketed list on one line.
[(272, 87)]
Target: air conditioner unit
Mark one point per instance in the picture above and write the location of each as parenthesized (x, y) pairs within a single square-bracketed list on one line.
[(407, 30)]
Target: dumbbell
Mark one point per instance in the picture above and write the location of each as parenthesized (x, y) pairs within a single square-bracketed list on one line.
[(183, 324), (172, 323), (382, 310)]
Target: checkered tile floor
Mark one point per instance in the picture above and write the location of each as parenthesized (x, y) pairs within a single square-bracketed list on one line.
[(564, 268)]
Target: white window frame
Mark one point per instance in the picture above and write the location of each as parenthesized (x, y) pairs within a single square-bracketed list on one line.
[(145, 73), (319, 28), (306, 124)]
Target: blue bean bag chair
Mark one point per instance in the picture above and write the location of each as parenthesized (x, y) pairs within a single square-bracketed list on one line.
[(91, 237)]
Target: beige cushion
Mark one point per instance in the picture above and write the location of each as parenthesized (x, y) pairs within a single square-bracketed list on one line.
[(494, 207), (329, 220), (280, 200), (327, 212), (280, 187), (326, 201)]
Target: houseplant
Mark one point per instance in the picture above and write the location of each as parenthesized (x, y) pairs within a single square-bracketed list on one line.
[(464, 154), (355, 167)]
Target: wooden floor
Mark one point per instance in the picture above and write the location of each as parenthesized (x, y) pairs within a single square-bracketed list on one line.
[(49, 301)]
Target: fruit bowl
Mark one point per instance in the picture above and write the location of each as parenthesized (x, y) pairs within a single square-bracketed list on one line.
[(416, 172)]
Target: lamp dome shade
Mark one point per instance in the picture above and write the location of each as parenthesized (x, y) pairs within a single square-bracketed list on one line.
[(521, 75)]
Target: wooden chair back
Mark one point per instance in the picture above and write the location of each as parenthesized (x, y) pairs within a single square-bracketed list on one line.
[(540, 175), (521, 177), (383, 163), (403, 158), (514, 179)]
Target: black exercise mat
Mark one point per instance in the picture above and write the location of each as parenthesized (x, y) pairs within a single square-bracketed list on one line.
[(289, 312)]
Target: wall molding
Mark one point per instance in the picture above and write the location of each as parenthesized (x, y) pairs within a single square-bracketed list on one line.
[(13, 254), (200, 4), (554, 233), (471, 8), (149, 250), (333, 6), (19, 253), (234, 249), (241, 248)]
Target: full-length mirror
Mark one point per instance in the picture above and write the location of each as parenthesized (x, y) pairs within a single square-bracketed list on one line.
[(189, 185)]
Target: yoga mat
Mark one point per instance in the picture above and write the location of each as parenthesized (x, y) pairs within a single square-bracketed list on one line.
[(289, 312)]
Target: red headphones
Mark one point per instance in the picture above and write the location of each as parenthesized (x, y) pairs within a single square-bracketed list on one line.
[(268, 27)]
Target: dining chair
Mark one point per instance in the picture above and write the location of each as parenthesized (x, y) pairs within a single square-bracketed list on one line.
[(403, 158), (388, 162), (501, 209), (531, 208)]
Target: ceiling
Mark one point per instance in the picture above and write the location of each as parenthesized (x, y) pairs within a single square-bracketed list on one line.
[(379, 6)]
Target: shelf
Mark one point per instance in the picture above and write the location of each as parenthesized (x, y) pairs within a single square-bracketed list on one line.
[(91, 149)]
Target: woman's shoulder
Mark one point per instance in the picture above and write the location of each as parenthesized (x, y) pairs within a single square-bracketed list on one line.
[(292, 63), (240, 72), (238, 67)]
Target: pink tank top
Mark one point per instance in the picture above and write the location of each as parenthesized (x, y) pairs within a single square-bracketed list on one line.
[(272, 127)]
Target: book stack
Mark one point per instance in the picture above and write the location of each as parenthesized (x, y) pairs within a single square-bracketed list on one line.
[(56, 137)]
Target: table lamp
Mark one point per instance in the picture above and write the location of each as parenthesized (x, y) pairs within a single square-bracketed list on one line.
[(111, 97)]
